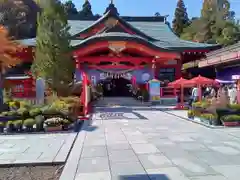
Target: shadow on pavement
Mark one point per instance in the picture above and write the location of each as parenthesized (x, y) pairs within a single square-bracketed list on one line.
[(144, 177)]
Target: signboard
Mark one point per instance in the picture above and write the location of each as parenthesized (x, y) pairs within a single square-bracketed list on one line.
[(154, 90), (40, 89), (235, 77)]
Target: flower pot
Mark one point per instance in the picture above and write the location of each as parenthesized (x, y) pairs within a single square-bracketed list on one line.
[(231, 123), (1, 129), (53, 128), (205, 121), (10, 128), (29, 129)]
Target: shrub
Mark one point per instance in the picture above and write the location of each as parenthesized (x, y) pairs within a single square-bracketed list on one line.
[(12, 113), (35, 112), (208, 116), (230, 118), (18, 123), (23, 112), (25, 104), (234, 106), (9, 123), (190, 113), (4, 113), (2, 124), (29, 122)]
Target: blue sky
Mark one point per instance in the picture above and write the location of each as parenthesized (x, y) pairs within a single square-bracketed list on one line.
[(149, 7)]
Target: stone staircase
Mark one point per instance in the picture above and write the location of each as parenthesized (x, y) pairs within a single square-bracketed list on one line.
[(120, 101)]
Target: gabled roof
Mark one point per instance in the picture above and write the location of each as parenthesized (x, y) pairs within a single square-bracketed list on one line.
[(118, 18), (154, 29)]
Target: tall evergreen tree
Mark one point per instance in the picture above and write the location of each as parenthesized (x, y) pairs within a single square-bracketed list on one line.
[(86, 9), (52, 57), (180, 20), (70, 8)]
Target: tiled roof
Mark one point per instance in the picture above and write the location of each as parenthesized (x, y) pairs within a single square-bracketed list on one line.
[(161, 35)]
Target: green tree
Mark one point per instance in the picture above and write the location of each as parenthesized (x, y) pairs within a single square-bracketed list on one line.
[(86, 9), (216, 24), (19, 17), (52, 57), (70, 8), (180, 20)]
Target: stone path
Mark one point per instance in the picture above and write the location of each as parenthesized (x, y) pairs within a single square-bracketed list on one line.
[(35, 148), (125, 144)]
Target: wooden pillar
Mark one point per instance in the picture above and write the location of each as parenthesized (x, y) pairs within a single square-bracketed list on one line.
[(178, 69), (154, 68)]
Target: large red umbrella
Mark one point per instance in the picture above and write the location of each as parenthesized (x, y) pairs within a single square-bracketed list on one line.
[(199, 81), (180, 83)]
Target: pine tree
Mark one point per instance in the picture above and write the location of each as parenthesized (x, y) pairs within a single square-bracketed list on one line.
[(52, 57), (180, 20), (86, 9), (70, 8)]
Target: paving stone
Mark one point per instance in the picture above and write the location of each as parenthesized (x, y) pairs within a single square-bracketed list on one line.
[(189, 146), (217, 177), (114, 147), (94, 151), (128, 168), (193, 167), (145, 148), (226, 150), (94, 164), (154, 161), (94, 176), (27, 158), (170, 173), (213, 158), (122, 156), (97, 142), (229, 171)]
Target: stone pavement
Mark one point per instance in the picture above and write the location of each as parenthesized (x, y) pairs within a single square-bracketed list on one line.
[(35, 148), (125, 144)]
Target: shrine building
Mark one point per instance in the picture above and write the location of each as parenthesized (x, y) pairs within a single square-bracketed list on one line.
[(119, 48)]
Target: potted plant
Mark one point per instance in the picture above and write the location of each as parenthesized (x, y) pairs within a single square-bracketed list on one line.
[(53, 124), (10, 126), (2, 126), (204, 118), (145, 95), (190, 114), (65, 124), (23, 113), (18, 125), (231, 120), (39, 123), (35, 112), (28, 124)]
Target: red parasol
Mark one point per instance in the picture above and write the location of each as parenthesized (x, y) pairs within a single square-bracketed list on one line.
[(200, 80), (180, 83)]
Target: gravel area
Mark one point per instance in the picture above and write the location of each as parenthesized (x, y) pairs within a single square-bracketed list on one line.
[(31, 173)]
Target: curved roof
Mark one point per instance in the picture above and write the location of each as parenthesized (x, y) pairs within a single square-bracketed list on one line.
[(116, 36)]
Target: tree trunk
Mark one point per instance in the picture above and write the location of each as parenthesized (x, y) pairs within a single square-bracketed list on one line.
[(1, 88)]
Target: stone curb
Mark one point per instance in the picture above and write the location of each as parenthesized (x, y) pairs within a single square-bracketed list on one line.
[(71, 165)]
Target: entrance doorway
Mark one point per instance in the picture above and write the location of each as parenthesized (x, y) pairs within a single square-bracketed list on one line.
[(119, 87)]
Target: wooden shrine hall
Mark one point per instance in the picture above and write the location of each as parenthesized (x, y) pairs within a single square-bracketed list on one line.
[(123, 47)]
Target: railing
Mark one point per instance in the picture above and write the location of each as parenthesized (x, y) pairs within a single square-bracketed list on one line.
[(169, 92)]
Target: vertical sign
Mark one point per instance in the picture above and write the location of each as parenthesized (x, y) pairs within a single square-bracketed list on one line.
[(40, 89), (154, 90)]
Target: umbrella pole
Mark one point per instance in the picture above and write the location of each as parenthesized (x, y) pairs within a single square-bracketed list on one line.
[(182, 96), (199, 92)]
